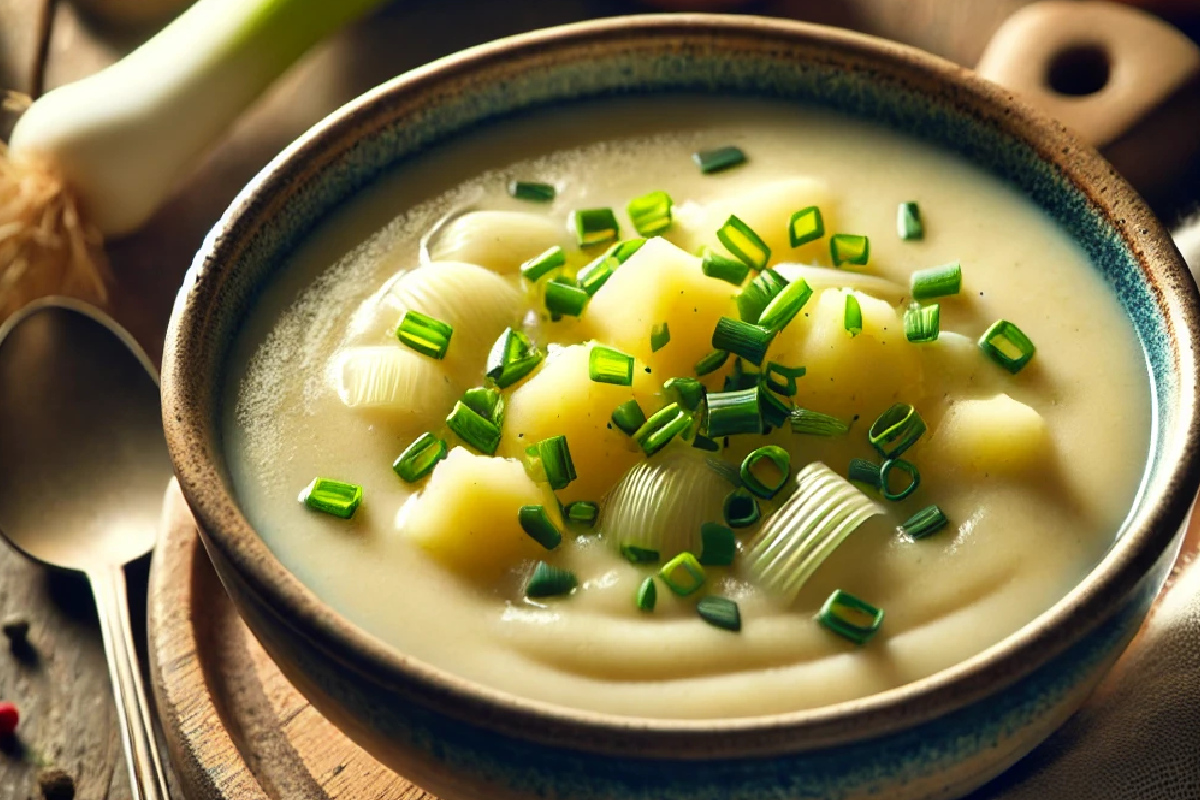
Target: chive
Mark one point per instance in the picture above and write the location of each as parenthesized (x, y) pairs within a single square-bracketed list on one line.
[(336, 498), (926, 522), (541, 265), (688, 392), (663, 426), (864, 472), (660, 335), (734, 412), (487, 402), (683, 574), (609, 365), (711, 362), (597, 273), (537, 523), (628, 417), (639, 555), (626, 249), (548, 581), (834, 615), (908, 222), (896, 430), (1007, 345), (758, 294), (730, 270), (477, 431), (647, 595), (885, 471), (779, 459), (775, 410), (425, 334), (852, 316), (562, 298), (650, 213), (849, 248), (742, 338), (595, 226), (554, 454), (512, 357), (789, 375), (720, 612), (719, 159), (741, 378), (741, 509), (741, 240), (704, 443), (718, 545), (533, 191), (419, 458), (583, 513), (806, 225), (785, 306), (926, 284), (814, 423), (922, 323)]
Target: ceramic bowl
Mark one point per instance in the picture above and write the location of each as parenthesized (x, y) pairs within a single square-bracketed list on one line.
[(935, 738)]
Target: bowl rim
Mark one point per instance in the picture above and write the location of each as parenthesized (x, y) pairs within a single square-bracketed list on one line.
[(1163, 506)]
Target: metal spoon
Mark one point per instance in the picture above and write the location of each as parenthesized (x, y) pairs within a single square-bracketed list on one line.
[(83, 467)]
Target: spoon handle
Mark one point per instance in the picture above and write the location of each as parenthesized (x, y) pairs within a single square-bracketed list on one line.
[(146, 777)]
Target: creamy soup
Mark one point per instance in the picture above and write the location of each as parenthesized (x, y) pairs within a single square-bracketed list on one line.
[(701, 552)]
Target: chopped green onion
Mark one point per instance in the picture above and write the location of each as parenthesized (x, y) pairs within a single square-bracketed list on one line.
[(594, 226), (639, 555), (683, 574), (426, 335), (734, 412), (758, 294), (742, 338), (609, 365), (541, 265), (787, 386), (741, 240), (650, 213), (597, 273), (720, 612), (704, 443), (775, 409), (896, 430), (885, 471), (512, 357), (741, 509), (537, 523), (922, 323), (487, 402), (583, 513), (660, 335), (730, 270), (779, 459), (647, 595), (785, 306), (718, 545), (852, 316), (337, 498), (864, 472), (926, 522), (908, 222), (805, 226), (419, 458), (548, 581), (626, 249), (719, 159), (849, 248), (474, 429), (711, 362), (663, 426), (814, 423), (741, 378), (1007, 345), (835, 615), (926, 284), (562, 298), (628, 417), (688, 392), (534, 191), (554, 456)]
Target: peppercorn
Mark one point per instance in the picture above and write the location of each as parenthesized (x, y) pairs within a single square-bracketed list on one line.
[(9, 719), (56, 784)]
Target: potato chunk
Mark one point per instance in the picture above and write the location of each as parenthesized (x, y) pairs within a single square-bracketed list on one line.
[(497, 240), (997, 436), (466, 517)]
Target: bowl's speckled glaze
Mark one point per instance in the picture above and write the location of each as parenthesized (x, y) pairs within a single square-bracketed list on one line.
[(938, 737)]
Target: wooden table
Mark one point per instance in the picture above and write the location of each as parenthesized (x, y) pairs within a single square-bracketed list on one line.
[(69, 718)]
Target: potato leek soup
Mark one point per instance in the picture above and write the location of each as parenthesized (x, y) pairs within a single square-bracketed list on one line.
[(688, 408)]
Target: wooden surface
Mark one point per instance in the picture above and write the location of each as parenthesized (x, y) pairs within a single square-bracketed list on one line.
[(69, 719)]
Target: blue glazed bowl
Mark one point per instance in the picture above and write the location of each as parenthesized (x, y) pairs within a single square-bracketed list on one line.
[(935, 738)]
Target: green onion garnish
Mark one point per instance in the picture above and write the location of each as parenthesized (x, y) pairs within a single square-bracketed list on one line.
[(885, 472), (742, 338), (555, 457), (922, 323), (814, 423), (597, 273), (548, 581), (688, 392), (852, 315), (775, 409), (487, 402), (595, 226), (741, 509), (722, 158), (718, 545), (779, 459), (683, 574), (926, 522), (734, 412), (663, 426), (787, 386), (908, 222), (1007, 345), (534, 191), (785, 306), (758, 294), (741, 378), (512, 357), (741, 240), (660, 336), (474, 429), (704, 443), (730, 270), (541, 265), (650, 213), (609, 365), (562, 298), (864, 472), (720, 612), (639, 555), (426, 335), (583, 513), (419, 458), (842, 608), (849, 248), (647, 595), (806, 225), (537, 523), (711, 362), (896, 430), (926, 284), (627, 248), (336, 498), (628, 417)]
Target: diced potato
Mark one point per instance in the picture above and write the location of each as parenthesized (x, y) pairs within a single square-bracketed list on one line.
[(997, 436), (497, 240), (661, 283), (560, 399), (396, 383), (956, 362), (466, 517)]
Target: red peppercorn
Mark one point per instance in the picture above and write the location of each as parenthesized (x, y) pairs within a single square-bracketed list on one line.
[(9, 718)]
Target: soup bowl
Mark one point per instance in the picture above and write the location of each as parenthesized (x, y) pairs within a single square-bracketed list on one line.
[(937, 737)]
